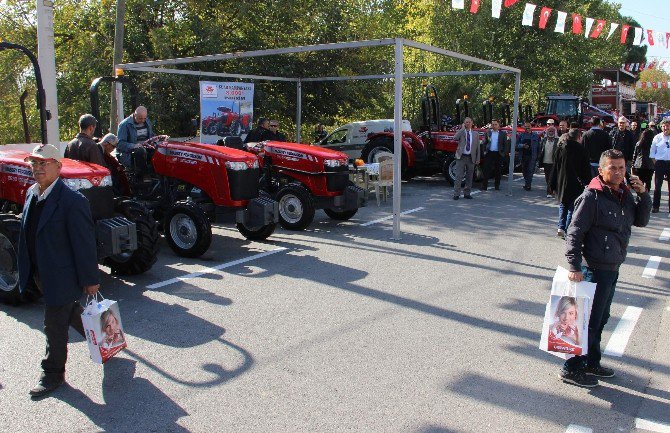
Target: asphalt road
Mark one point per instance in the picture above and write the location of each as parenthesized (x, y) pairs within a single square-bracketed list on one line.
[(339, 328)]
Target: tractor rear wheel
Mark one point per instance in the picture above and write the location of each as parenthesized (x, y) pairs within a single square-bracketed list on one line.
[(384, 146), (296, 209), (340, 215), (187, 229), (235, 128), (10, 228), (143, 258)]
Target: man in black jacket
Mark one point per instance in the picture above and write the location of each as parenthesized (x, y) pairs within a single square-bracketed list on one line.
[(623, 140), (496, 146), (261, 133), (595, 141), (599, 234), (82, 147)]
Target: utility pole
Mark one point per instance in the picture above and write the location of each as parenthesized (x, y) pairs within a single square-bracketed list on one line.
[(116, 110), (46, 57)]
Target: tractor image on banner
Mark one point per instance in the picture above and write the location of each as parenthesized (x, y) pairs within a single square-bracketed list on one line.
[(226, 109)]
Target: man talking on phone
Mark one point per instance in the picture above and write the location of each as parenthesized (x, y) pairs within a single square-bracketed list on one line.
[(596, 244)]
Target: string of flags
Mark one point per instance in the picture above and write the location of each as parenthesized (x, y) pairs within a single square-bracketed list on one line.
[(636, 67), (652, 85), (579, 25)]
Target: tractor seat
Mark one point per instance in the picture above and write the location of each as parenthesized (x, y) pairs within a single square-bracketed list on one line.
[(232, 142)]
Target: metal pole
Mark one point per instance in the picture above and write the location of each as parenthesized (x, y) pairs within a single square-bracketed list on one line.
[(617, 104), (515, 122), (298, 111), (46, 57), (397, 138), (116, 109)]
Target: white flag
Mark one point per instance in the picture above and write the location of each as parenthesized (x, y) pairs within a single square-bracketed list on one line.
[(560, 22), (638, 36), (495, 8), (613, 27), (660, 38), (458, 4), (528, 15), (589, 24)]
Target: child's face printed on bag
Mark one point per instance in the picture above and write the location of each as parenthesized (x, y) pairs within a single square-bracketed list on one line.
[(568, 316), (111, 325)]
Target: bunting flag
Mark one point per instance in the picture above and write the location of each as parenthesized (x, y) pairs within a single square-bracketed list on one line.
[(660, 38), (528, 15), (667, 39), (637, 67), (544, 17), (474, 6), (458, 4), (589, 24), (495, 8), (650, 37), (600, 25), (637, 40), (509, 3), (560, 22), (613, 27), (624, 33), (576, 24)]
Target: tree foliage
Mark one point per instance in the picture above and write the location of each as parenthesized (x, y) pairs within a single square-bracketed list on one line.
[(160, 29)]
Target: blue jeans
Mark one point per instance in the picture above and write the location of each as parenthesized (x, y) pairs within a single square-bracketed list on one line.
[(600, 313), (565, 215), (528, 167)]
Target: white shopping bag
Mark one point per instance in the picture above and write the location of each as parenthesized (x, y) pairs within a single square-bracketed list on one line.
[(103, 328), (565, 332)]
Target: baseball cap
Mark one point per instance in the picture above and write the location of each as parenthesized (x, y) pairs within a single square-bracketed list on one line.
[(111, 139), (44, 151), (550, 122)]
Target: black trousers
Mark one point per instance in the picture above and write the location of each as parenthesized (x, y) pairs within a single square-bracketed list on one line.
[(492, 169), (57, 322), (661, 170)]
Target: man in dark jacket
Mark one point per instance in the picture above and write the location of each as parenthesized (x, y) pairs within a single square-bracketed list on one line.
[(623, 140), (528, 144), (595, 141), (496, 146), (82, 147), (599, 235), (57, 252), (133, 131), (570, 175), (261, 133)]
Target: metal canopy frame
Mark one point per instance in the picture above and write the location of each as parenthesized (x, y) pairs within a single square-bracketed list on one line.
[(159, 66)]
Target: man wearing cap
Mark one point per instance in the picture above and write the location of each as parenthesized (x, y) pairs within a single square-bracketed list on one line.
[(119, 178), (133, 130), (660, 155), (82, 147), (57, 252)]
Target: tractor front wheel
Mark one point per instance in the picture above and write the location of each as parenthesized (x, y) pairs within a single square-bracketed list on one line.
[(296, 209), (144, 257), (187, 229), (340, 215), (256, 233), (10, 228)]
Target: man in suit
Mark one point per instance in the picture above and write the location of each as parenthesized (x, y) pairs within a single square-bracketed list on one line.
[(528, 143), (467, 156), (57, 251), (495, 149)]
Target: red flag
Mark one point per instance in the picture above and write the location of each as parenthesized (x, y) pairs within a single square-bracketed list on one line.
[(544, 17), (474, 6), (509, 3), (664, 85), (650, 37), (624, 33), (599, 28), (577, 24), (667, 39), (654, 85)]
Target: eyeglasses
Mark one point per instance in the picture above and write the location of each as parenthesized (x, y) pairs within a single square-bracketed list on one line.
[(274, 126), (39, 164)]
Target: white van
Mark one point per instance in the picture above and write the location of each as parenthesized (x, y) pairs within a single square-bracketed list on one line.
[(351, 137)]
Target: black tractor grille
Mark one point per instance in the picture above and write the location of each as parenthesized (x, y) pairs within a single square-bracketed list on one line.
[(337, 178), (101, 199), (243, 183)]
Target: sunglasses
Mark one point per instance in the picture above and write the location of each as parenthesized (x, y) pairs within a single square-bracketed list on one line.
[(39, 164), (274, 126)]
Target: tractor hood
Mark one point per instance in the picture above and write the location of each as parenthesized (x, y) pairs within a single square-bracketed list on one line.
[(302, 151), (200, 151), (13, 161)]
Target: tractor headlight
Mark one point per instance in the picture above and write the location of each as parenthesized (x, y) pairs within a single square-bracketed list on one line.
[(333, 163), (77, 184), (106, 181), (254, 164), (237, 165)]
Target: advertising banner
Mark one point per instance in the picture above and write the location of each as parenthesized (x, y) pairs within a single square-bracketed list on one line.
[(225, 109)]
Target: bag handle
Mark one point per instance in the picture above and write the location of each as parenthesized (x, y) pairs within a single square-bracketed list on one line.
[(91, 298)]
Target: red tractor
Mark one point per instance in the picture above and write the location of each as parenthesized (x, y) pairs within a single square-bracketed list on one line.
[(228, 123), (127, 235), (303, 178), (189, 185)]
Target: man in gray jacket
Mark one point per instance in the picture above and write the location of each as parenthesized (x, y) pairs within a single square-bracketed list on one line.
[(599, 234)]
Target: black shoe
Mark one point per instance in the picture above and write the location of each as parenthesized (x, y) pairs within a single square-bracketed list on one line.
[(456, 197), (599, 371), (654, 210), (579, 378), (469, 197), (45, 386), (497, 188), (527, 188)]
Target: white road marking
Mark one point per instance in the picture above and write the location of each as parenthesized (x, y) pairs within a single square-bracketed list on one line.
[(214, 268), (574, 428), (475, 192), (652, 267), (369, 223), (619, 339), (645, 424), (665, 235)]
